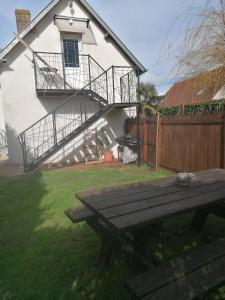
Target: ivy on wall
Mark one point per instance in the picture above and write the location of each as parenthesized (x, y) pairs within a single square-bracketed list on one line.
[(208, 107)]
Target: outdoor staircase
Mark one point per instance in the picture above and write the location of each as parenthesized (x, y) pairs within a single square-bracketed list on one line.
[(113, 88)]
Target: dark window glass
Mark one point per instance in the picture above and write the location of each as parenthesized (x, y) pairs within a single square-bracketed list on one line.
[(71, 53)]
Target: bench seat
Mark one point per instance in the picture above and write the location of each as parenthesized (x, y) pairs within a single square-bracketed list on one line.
[(187, 277), (79, 213)]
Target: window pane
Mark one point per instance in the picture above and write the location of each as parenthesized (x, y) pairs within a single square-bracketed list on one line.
[(71, 53)]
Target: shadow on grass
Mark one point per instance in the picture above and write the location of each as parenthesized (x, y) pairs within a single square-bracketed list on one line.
[(43, 255)]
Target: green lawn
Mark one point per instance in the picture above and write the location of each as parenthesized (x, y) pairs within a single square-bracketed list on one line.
[(44, 256)]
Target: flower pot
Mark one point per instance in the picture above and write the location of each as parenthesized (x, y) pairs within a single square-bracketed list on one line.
[(108, 156)]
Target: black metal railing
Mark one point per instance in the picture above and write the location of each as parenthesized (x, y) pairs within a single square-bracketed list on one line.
[(53, 72), (115, 85)]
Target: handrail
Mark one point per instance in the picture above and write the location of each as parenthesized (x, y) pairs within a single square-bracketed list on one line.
[(73, 95), (62, 53), (47, 133)]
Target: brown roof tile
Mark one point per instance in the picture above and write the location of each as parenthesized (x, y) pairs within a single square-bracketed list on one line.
[(198, 89)]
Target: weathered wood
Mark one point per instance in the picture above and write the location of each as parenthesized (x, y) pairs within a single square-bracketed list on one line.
[(121, 244), (194, 284), (201, 149), (112, 191), (79, 213), (158, 213), (143, 201), (135, 207), (105, 254), (169, 276)]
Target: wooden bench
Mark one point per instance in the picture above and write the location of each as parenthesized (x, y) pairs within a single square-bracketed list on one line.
[(192, 275), (79, 213)]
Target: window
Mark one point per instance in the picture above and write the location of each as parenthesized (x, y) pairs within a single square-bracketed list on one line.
[(71, 53)]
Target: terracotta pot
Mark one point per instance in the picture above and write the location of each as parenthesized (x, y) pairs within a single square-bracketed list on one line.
[(108, 156)]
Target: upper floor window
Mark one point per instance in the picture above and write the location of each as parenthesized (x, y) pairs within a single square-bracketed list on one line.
[(71, 53)]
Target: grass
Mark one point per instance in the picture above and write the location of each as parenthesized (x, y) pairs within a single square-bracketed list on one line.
[(44, 256)]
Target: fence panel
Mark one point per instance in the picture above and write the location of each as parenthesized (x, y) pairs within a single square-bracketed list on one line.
[(182, 142)]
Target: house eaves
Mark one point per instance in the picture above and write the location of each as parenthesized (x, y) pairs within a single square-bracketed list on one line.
[(96, 17)]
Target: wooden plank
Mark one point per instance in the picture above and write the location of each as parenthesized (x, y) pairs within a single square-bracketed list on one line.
[(160, 182), (165, 196), (79, 213), (114, 202), (134, 194), (201, 148), (155, 214), (194, 284), (169, 272), (113, 191)]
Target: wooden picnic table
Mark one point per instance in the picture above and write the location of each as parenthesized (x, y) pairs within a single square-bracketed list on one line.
[(127, 216)]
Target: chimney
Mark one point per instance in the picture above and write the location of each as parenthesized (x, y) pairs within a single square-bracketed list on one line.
[(23, 17)]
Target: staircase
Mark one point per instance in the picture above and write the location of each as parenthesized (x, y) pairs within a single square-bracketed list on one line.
[(113, 88)]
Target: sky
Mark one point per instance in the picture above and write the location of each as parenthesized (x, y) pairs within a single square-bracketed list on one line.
[(151, 29)]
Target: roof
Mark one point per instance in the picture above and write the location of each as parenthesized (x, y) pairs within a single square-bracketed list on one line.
[(197, 89), (95, 16)]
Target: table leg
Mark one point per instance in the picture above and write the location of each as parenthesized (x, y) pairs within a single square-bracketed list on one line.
[(143, 239), (199, 218), (121, 244), (105, 254)]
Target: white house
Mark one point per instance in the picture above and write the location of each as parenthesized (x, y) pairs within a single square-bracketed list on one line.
[(65, 80)]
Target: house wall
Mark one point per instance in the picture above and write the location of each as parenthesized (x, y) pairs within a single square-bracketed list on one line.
[(22, 107), (2, 121)]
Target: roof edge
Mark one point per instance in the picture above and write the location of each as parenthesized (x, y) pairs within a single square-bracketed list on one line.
[(48, 8)]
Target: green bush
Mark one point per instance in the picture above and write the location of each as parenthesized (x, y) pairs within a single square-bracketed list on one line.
[(208, 107)]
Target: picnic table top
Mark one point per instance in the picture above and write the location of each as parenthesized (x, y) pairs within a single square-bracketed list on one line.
[(131, 206)]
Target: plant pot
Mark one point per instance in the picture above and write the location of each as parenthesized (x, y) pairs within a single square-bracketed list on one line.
[(107, 156)]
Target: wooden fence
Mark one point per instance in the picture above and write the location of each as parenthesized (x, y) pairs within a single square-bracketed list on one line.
[(182, 142)]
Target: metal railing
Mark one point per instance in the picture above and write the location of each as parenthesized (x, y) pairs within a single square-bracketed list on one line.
[(115, 85), (64, 75)]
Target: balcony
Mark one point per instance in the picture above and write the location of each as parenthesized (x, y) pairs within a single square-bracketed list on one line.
[(57, 74)]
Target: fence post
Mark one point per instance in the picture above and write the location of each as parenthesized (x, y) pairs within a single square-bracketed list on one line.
[(222, 153), (145, 139), (157, 142), (138, 136)]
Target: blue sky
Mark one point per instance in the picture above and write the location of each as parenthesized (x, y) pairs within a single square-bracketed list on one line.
[(148, 27)]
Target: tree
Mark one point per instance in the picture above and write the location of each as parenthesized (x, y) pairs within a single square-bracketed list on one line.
[(148, 93), (147, 90), (204, 45)]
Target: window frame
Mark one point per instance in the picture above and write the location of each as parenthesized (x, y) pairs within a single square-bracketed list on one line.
[(74, 37)]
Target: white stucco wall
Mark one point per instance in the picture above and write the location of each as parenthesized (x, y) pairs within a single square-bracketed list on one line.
[(22, 107), (2, 120)]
